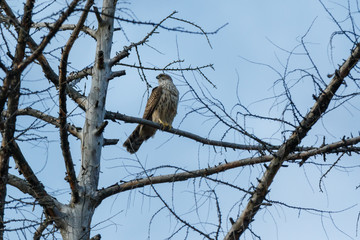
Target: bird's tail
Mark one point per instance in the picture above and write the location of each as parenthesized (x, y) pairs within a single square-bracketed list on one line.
[(134, 141)]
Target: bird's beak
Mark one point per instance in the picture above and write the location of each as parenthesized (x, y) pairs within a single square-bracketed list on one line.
[(158, 76)]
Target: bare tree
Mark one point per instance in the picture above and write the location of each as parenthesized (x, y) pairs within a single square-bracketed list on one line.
[(28, 45)]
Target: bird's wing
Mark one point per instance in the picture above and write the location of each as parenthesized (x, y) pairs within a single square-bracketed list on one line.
[(152, 102)]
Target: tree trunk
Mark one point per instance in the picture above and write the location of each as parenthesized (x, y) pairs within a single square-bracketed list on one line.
[(79, 214), (78, 220), (8, 136)]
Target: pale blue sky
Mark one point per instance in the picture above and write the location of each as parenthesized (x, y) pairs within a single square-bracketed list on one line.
[(254, 30), (253, 25)]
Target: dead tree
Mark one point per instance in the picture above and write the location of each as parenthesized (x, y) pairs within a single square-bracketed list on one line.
[(74, 218)]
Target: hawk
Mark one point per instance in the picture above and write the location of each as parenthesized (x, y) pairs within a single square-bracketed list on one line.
[(161, 107)]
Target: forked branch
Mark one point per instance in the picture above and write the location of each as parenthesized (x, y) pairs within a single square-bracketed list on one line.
[(46, 40), (48, 71), (124, 53), (49, 204), (75, 131), (343, 146), (289, 146)]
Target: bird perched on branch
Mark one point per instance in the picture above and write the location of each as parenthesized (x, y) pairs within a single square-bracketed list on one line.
[(161, 107)]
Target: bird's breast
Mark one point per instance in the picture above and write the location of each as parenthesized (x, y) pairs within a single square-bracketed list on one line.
[(167, 106)]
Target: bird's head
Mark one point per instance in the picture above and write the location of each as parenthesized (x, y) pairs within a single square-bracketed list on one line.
[(162, 77)]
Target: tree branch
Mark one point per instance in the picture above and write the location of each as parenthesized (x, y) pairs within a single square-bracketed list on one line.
[(119, 116), (21, 185), (80, 74), (75, 131), (48, 71), (64, 27), (124, 53), (22, 28), (3, 67), (96, 237), (11, 93), (41, 229), (342, 146), (298, 134), (49, 204), (117, 74), (65, 146), (108, 142), (38, 51), (165, 68)]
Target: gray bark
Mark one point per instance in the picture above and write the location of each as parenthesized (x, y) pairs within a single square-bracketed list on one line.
[(79, 214)]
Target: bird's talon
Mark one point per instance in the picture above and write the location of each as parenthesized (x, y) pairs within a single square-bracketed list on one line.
[(164, 125)]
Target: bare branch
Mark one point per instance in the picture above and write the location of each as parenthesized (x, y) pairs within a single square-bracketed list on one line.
[(193, 24), (11, 92), (96, 237), (117, 74), (64, 27), (38, 51), (108, 142), (3, 67), (75, 131), (41, 229), (78, 75), (118, 116), (336, 147), (175, 29), (49, 204), (65, 146), (101, 128), (166, 68), (23, 28), (124, 53), (142, 75), (332, 166), (48, 71), (21, 184), (98, 16), (299, 133), (121, 55)]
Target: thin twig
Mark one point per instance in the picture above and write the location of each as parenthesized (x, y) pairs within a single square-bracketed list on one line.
[(51, 34), (48, 71), (320, 106), (336, 147), (331, 167), (75, 131), (127, 49), (41, 229), (166, 68)]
